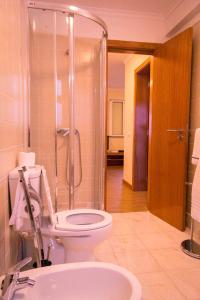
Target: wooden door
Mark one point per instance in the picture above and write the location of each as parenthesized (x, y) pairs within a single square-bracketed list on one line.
[(168, 130), (141, 127)]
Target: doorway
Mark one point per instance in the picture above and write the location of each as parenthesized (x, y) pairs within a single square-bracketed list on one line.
[(126, 98)]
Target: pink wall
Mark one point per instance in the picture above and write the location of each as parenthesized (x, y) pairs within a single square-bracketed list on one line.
[(12, 115)]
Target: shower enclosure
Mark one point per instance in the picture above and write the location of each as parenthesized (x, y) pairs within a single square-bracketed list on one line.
[(67, 47)]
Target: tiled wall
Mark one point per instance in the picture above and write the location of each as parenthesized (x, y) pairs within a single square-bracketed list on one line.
[(194, 113), (12, 114)]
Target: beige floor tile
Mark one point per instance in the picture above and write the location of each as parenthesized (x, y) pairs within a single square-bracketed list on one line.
[(173, 259), (145, 227), (150, 249), (144, 222), (120, 243), (161, 292), (158, 286), (188, 282), (177, 236), (106, 257), (104, 247), (137, 216), (157, 240), (118, 217), (137, 261), (121, 227), (154, 278), (163, 225)]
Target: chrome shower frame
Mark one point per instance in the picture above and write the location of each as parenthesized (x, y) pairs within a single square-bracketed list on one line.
[(71, 11)]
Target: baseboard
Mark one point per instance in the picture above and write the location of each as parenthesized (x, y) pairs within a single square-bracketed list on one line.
[(127, 183)]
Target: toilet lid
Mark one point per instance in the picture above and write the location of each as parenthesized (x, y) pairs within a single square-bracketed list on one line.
[(82, 219)]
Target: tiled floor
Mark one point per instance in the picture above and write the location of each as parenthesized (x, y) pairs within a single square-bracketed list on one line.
[(150, 248)]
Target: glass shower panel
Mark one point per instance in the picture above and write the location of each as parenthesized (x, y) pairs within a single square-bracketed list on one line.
[(42, 90), (63, 110), (49, 95), (87, 117)]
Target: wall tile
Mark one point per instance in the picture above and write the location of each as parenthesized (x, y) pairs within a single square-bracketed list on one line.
[(13, 99)]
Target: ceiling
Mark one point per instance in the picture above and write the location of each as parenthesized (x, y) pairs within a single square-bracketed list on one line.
[(160, 7)]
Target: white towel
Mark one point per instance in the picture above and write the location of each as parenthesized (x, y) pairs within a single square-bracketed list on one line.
[(195, 205), (46, 195), (196, 147), (20, 217)]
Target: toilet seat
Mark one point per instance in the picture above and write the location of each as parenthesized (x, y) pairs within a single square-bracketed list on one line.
[(82, 220)]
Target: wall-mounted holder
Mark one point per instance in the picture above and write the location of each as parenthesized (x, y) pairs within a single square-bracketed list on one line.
[(41, 261)]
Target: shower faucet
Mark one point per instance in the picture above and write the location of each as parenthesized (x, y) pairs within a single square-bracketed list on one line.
[(66, 131), (63, 131)]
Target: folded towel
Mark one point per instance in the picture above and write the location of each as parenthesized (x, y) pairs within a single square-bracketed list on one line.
[(196, 147), (195, 205)]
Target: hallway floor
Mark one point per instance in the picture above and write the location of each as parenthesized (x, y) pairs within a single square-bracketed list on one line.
[(120, 197), (150, 248)]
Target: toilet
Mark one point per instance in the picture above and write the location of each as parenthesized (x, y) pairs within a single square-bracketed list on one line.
[(80, 231), (73, 234)]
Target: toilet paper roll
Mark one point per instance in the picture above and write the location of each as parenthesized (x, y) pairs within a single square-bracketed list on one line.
[(35, 209), (26, 159)]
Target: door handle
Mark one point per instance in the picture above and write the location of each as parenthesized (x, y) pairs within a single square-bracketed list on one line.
[(65, 133), (80, 158), (180, 133), (175, 130)]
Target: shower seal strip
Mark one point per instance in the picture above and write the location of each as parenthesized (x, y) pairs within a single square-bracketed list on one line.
[(71, 108)]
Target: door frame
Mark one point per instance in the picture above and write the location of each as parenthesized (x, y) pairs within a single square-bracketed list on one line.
[(147, 62), (120, 46)]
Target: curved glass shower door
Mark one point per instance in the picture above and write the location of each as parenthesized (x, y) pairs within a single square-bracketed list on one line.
[(88, 112), (67, 103)]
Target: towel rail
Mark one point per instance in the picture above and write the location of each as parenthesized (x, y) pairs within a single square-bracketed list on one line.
[(190, 247), (194, 157)]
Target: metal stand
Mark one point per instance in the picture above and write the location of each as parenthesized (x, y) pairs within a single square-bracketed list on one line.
[(190, 247)]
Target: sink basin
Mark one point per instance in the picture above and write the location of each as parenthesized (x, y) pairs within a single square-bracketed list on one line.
[(81, 281)]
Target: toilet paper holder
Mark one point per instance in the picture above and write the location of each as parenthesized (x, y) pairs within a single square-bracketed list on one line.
[(41, 261)]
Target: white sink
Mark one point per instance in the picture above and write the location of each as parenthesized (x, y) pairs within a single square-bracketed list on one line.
[(81, 281)]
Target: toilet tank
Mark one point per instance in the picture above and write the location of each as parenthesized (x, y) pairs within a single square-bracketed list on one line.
[(34, 177)]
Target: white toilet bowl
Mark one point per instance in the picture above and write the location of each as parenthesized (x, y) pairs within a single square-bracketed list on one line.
[(80, 231), (74, 233)]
